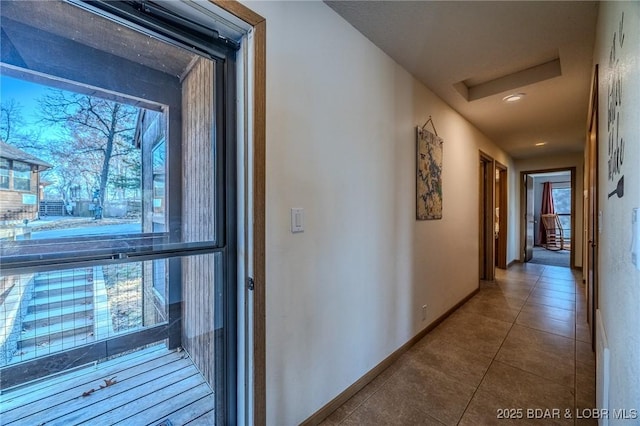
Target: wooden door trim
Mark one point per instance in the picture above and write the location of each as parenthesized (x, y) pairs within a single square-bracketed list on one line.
[(591, 173), (501, 255), (487, 221), (259, 199), (522, 188)]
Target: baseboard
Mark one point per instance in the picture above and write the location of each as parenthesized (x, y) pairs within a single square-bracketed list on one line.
[(324, 412), (513, 262)]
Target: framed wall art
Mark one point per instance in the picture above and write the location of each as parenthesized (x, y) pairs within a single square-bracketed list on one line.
[(428, 174)]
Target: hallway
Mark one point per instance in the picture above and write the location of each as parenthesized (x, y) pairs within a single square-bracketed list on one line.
[(542, 256), (522, 343)]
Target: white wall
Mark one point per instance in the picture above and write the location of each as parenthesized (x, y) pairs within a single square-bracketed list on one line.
[(347, 292), (556, 162), (619, 279)]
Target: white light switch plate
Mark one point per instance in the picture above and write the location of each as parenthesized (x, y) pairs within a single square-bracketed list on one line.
[(297, 220)]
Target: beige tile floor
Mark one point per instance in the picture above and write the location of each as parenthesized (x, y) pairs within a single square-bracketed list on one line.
[(521, 344)]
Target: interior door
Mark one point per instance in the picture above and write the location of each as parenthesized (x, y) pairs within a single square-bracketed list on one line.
[(486, 215), (592, 214), (501, 216), (481, 227), (529, 219)]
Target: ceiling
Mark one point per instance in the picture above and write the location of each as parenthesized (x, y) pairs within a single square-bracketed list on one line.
[(473, 54)]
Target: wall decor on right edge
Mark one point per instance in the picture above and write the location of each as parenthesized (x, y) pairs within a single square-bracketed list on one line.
[(428, 175)]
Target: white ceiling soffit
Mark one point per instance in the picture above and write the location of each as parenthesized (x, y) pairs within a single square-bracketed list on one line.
[(473, 54), (25, 24), (472, 90)]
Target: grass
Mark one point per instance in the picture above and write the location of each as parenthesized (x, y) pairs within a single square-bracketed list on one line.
[(66, 222)]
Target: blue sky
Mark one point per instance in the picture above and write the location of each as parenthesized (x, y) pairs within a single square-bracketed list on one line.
[(25, 93)]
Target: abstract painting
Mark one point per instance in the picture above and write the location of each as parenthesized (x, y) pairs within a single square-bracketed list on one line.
[(429, 175)]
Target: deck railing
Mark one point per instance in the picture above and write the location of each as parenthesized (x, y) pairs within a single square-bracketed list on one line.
[(51, 312)]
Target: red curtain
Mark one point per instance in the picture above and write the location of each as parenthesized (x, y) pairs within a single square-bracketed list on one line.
[(547, 208)]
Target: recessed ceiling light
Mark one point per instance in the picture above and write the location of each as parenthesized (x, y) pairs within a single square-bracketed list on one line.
[(541, 143), (513, 98)]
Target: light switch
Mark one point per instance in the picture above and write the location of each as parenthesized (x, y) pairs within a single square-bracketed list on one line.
[(297, 220)]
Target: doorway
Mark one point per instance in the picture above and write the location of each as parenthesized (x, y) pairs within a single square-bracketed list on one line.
[(487, 221), (501, 204), (548, 206), (591, 212)]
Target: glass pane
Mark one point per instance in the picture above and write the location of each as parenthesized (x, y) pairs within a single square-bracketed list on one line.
[(160, 278), (103, 145), (21, 167), (562, 206), (159, 164), (21, 176), (126, 163), (153, 383), (20, 183), (46, 312), (99, 166), (562, 200), (204, 316), (200, 215), (4, 172), (565, 221), (87, 167)]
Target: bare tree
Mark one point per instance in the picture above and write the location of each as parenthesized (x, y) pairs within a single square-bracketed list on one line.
[(99, 130), (10, 118), (13, 129)]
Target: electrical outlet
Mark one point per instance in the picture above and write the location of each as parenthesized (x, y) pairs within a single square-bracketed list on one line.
[(424, 312)]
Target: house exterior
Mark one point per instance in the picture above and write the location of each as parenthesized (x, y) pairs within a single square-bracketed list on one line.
[(19, 184), (150, 139)]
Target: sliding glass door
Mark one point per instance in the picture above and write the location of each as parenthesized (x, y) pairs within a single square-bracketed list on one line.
[(118, 192)]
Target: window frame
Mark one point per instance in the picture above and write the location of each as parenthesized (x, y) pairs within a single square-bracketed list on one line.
[(561, 188), (563, 215), (19, 168), (5, 177), (32, 256)]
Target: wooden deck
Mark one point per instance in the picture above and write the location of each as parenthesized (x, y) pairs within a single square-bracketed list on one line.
[(148, 387)]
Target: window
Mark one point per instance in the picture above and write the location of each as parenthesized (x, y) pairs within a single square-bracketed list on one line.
[(153, 191), (5, 165), (158, 165), (562, 207), (21, 176), (159, 174)]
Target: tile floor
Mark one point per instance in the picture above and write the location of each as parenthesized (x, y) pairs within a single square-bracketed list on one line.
[(522, 343)]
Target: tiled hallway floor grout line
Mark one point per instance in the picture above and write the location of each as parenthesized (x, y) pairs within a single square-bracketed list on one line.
[(575, 314), (391, 366), (481, 380), (468, 354), (500, 347), (374, 392)]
